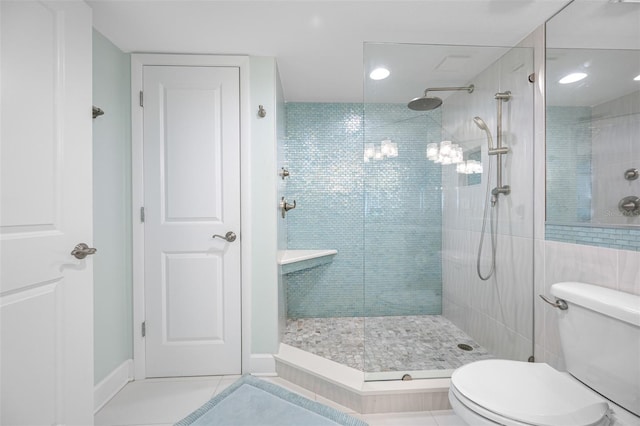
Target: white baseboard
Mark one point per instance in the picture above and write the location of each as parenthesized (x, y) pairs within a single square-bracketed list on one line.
[(262, 365), (112, 384)]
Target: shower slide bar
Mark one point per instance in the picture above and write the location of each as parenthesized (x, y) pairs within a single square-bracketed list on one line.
[(500, 150)]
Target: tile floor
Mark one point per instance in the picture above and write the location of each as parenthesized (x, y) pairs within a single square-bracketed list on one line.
[(382, 342), (162, 402)]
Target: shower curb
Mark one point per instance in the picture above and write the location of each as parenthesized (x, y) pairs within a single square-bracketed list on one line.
[(346, 386)]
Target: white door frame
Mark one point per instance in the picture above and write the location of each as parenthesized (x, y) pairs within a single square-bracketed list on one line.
[(138, 61)]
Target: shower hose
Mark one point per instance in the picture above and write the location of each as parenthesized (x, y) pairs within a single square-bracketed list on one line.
[(493, 219)]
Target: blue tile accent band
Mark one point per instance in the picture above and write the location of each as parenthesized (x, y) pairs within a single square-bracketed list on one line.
[(383, 217), (615, 238)]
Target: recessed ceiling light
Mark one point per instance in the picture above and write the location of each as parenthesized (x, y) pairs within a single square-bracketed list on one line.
[(637, 78), (572, 78), (379, 74)]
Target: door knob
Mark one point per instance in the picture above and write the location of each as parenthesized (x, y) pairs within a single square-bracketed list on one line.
[(229, 236), (82, 250)]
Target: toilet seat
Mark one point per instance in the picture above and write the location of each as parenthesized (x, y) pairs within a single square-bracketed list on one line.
[(522, 393)]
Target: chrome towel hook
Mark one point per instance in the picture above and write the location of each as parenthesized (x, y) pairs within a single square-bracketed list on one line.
[(96, 112)]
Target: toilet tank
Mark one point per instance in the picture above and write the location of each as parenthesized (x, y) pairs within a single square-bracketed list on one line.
[(600, 337)]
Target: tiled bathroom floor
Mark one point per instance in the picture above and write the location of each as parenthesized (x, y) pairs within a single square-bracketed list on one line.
[(394, 343), (162, 402)]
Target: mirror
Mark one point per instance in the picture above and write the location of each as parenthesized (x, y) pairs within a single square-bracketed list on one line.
[(593, 117)]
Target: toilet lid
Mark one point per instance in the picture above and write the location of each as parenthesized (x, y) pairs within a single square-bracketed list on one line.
[(531, 393)]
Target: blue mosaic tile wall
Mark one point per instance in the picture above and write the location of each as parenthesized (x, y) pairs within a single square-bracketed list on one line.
[(622, 239), (568, 164), (383, 217)]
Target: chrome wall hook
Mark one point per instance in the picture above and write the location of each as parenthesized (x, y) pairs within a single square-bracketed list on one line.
[(96, 112)]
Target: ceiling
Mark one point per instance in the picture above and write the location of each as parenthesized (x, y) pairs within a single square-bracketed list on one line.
[(600, 39), (319, 44)]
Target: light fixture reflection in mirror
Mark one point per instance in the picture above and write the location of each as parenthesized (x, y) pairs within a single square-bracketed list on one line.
[(573, 78)]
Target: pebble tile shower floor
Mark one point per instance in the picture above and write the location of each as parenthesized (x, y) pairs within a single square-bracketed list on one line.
[(393, 343)]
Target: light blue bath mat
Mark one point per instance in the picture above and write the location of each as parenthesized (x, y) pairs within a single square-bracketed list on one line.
[(254, 402)]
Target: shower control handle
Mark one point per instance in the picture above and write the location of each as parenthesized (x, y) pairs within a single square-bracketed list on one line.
[(630, 206), (285, 207)]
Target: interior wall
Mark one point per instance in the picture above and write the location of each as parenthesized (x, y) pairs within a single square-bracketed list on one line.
[(325, 162), (382, 216), (281, 163), (403, 214), (111, 208), (497, 313), (264, 207), (569, 164)]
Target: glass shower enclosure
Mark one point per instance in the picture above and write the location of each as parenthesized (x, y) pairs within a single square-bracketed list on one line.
[(425, 178), (401, 194)]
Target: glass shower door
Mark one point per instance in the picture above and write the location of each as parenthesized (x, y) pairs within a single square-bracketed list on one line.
[(426, 311)]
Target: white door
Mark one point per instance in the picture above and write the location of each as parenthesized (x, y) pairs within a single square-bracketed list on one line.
[(46, 294), (192, 192)]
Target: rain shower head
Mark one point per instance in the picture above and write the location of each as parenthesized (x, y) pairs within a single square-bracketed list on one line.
[(427, 103)]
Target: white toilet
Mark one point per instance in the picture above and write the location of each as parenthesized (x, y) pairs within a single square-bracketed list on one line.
[(600, 337)]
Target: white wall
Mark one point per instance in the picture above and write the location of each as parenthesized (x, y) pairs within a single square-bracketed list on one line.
[(616, 269), (282, 161), (264, 206), (497, 313), (111, 207)]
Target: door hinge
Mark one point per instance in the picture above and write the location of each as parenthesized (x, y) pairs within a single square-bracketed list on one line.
[(144, 328), (141, 99), (142, 214)]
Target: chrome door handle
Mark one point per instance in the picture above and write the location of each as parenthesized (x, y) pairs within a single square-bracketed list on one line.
[(82, 250), (229, 236), (559, 303)]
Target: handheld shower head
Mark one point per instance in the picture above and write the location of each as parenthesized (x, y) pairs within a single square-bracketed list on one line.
[(482, 125)]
